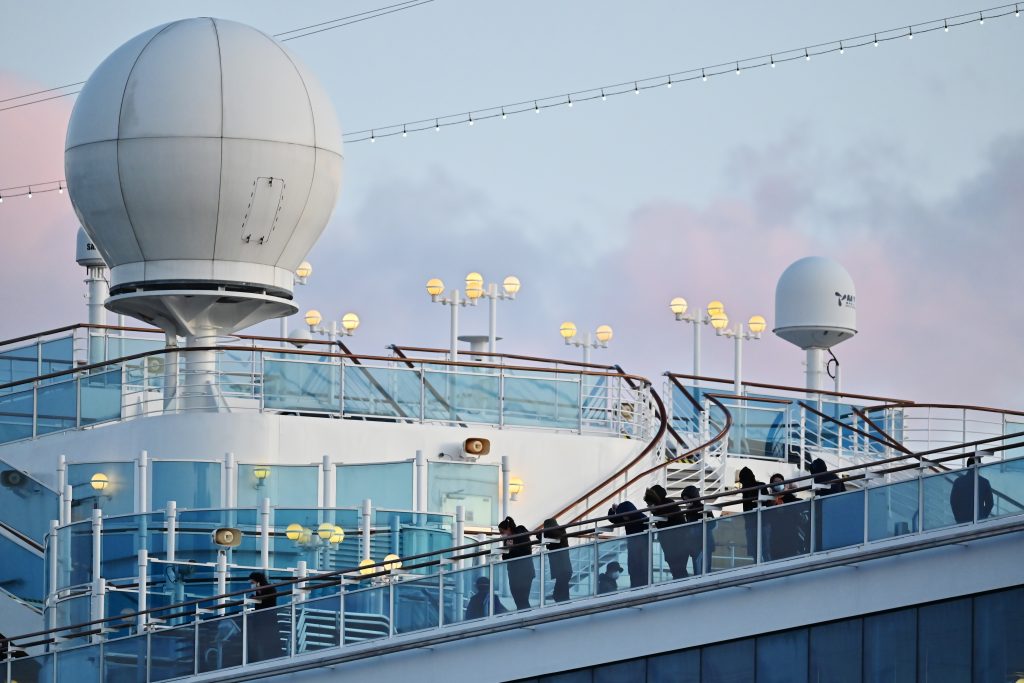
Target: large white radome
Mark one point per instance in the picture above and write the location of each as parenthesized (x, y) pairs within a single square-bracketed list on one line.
[(202, 152), (815, 304)]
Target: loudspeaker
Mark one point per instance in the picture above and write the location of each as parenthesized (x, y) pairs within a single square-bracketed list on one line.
[(227, 537), (12, 479), (475, 447)]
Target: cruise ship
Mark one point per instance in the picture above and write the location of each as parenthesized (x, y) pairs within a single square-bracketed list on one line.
[(183, 501)]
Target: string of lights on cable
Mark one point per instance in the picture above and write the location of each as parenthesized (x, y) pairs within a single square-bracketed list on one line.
[(284, 36), (696, 74)]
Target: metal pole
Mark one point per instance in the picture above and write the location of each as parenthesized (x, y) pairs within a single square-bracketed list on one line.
[(51, 560), (492, 334), (460, 528), (698, 321), (453, 354), (97, 542), (221, 574), (142, 497), (230, 480), (421, 481), (143, 576), (170, 372), (301, 572), (505, 474), (364, 527), (738, 370), (66, 508), (62, 482), (265, 533), (172, 530), (586, 351)]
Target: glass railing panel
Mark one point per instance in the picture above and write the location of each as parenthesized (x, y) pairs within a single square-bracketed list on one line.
[(515, 582), (383, 392), (28, 669), (1006, 482), (301, 386), (73, 611), (80, 664), (56, 355), (938, 511), (756, 431), (839, 520), (124, 660), (416, 604), (367, 614), (461, 396), (317, 624), (74, 554), (26, 504), (533, 402), (122, 539), (733, 541), (16, 415), (100, 397), (21, 571), (57, 408), (175, 582), (468, 595), (892, 510), (172, 653), (19, 363), (785, 530), (569, 573), (623, 563), (220, 643)]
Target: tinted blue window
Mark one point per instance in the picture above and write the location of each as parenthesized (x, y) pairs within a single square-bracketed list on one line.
[(999, 636), (728, 662), (674, 667), (782, 657), (944, 642), (835, 652), (581, 676), (634, 670), (191, 485), (890, 646)]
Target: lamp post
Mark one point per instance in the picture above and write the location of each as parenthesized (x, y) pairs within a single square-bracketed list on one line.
[(474, 290), (678, 306), (349, 323), (509, 288), (302, 274), (755, 326), (596, 340)]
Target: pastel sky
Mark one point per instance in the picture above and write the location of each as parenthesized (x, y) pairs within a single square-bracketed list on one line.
[(904, 162)]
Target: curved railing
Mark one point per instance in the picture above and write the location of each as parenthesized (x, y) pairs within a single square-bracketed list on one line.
[(344, 608)]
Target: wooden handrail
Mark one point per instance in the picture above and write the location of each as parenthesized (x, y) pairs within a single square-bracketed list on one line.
[(799, 390), (868, 435)]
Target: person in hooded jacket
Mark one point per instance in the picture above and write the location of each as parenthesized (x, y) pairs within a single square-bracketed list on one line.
[(671, 539), (626, 515), (752, 489), (558, 558), (476, 608), (263, 634), (693, 543), (520, 562), (822, 476), (786, 528), (608, 582)]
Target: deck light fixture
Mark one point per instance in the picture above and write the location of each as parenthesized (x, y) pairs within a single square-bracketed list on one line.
[(294, 532), (476, 289), (99, 482), (313, 318), (593, 340), (391, 562), (366, 566), (338, 536), (261, 473), (515, 487), (755, 326), (325, 531), (679, 306), (349, 323)]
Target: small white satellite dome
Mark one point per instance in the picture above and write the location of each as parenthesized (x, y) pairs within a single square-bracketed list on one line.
[(815, 304), (86, 253), (204, 160)]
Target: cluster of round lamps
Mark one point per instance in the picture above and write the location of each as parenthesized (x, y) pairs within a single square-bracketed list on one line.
[(474, 286), (717, 316)]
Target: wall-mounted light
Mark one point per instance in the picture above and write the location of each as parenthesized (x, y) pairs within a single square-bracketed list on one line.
[(261, 474), (515, 487), (99, 482)]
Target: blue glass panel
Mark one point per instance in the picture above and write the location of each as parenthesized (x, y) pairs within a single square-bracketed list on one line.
[(31, 669), (21, 571), (782, 657), (122, 539), (118, 347), (318, 624), (836, 652), (728, 662), (892, 510), (754, 431), (19, 363), (124, 660), (388, 485), (633, 670), (26, 504), (938, 512), (189, 484), (16, 415), (735, 541), (57, 355), (839, 520), (367, 614), (536, 402), (515, 582), (786, 530), (74, 611), (387, 392), (568, 574), (301, 386), (172, 653), (416, 605), (286, 485), (631, 554), (890, 646), (117, 498), (944, 642), (999, 635), (473, 486), (465, 397), (675, 667), (220, 643), (56, 407), (81, 664), (74, 555), (100, 396), (466, 596), (1006, 482)]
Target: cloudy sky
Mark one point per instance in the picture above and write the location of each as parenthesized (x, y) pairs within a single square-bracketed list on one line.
[(905, 162)]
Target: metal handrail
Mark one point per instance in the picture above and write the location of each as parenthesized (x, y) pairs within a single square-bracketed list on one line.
[(896, 402)]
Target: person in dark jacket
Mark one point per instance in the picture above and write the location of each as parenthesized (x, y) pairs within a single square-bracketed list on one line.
[(263, 637), (558, 558), (786, 531), (752, 488), (476, 608), (608, 582), (670, 538), (519, 561), (822, 476), (961, 496), (626, 515), (694, 511)]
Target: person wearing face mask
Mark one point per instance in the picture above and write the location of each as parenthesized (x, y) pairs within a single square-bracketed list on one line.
[(519, 561), (608, 582), (785, 531)]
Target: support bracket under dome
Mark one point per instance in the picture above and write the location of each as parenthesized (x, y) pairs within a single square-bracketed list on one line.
[(187, 312)]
